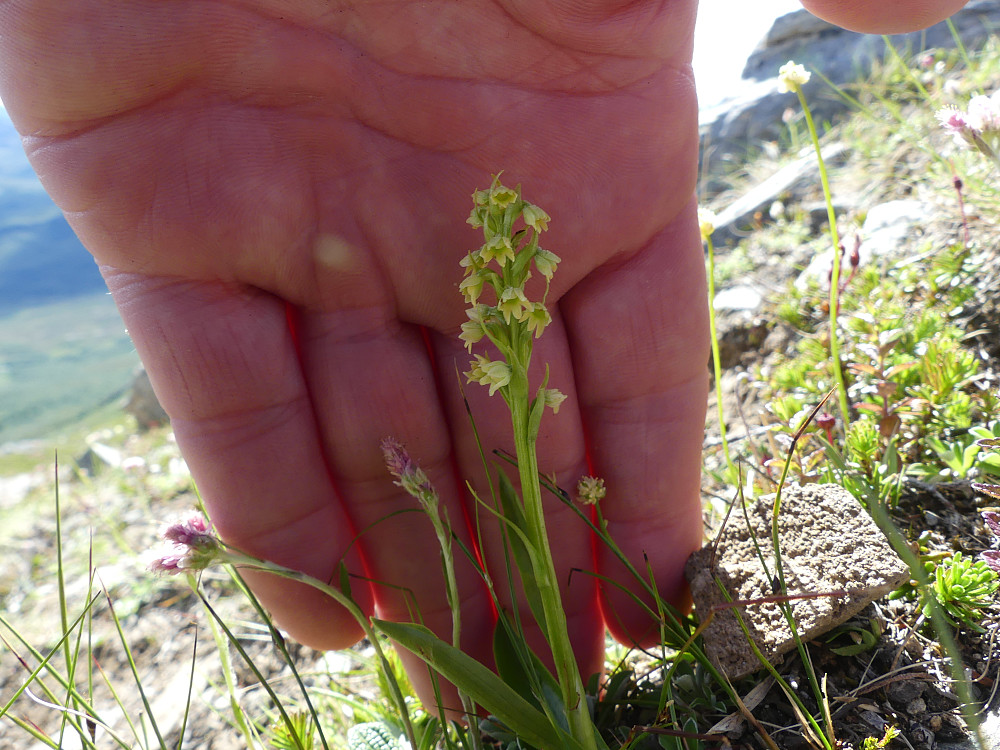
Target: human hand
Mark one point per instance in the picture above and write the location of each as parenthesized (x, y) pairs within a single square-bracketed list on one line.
[(234, 167)]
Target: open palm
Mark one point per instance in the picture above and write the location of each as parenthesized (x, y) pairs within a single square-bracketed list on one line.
[(276, 194)]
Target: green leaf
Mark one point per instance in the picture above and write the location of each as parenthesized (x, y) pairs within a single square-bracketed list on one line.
[(520, 667), (480, 684), (520, 546), (371, 736), (345, 580), (867, 640), (509, 656)]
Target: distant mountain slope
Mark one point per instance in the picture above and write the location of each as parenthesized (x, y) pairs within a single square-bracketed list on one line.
[(63, 348), (41, 260)]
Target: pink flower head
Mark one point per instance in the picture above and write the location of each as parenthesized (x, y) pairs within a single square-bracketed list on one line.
[(193, 530), (992, 520), (189, 544), (410, 476), (167, 562), (397, 460), (956, 123), (992, 558)]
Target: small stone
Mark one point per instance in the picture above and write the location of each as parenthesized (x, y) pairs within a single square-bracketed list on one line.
[(904, 692), (828, 543), (742, 297)]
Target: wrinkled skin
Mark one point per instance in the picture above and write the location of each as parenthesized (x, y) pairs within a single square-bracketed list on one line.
[(276, 193)]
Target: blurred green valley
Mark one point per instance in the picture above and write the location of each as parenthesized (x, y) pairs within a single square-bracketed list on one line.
[(64, 351)]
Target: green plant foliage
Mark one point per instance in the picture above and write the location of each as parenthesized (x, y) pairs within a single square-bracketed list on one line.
[(298, 733), (963, 588), (374, 736)]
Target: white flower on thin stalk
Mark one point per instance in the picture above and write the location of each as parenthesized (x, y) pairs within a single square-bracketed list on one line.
[(792, 77)]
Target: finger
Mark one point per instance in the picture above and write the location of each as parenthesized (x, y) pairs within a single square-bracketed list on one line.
[(370, 378), (561, 455), (224, 366), (638, 332), (885, 17)]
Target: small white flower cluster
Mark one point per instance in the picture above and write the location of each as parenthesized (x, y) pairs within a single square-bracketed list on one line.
[(792, 77), (978, 127)]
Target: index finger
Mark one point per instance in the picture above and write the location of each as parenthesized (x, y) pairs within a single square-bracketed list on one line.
[(639, 334)]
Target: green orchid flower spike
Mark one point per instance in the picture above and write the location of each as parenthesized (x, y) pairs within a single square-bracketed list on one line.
[(510, 253)]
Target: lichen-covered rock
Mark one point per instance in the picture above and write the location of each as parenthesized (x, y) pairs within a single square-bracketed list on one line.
[(828, 543)]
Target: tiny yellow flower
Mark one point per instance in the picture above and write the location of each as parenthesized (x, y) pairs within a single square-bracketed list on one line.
[(476, 373), (792, 77), (472, 333), (497, 247), (474, 330), (535, 217), (590, 490), (502, 196), (537, 318), (496, 374), (480, 198), (513, 303), (477, 218), (553, 399), (706, 223), (472, 286), (545, 262)]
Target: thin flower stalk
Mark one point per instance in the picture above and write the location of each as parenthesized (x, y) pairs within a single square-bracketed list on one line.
[(414, 481), (191, 545), (792, 78), (706, 225)]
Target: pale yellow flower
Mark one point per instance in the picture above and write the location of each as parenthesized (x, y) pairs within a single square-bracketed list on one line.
[(553, 399), (706, 223), (545, 262), (474, 330), (792, 77), (472, 333), (496, 374), (537, 318), (477, 218), (535, 217), (472, 286), (590, 490), (497, 247), (502, 196), (513, 303)]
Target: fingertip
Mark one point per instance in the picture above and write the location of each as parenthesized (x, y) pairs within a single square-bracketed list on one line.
[(886, 17)]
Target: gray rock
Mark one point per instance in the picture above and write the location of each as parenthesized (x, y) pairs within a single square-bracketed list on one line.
[(887, 233), (889, 227), (741, 298), (97, 456), (143, 404), (828, 543), (791, 182), (16, 488), (753, 114), (843, 56)]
